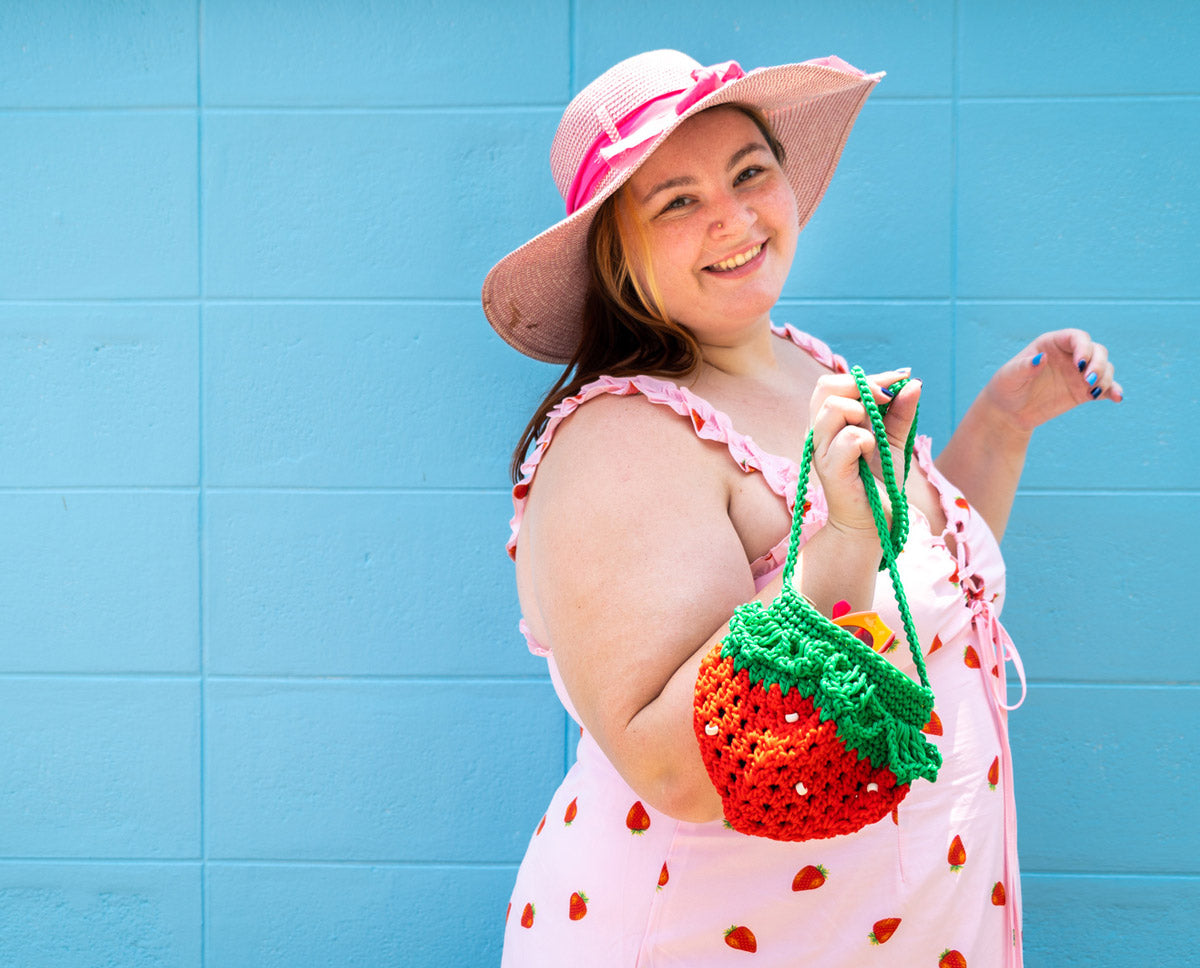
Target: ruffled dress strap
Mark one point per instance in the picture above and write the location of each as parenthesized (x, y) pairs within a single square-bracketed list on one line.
[(817, 349)]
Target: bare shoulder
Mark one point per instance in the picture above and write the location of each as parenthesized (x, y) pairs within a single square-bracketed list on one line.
[(614, 447), (630, 500)]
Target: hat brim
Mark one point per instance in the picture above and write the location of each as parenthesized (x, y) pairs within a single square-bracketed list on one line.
[(534, 296)]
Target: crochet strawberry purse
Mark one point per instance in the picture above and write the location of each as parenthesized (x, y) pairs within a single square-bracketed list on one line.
[(806, 731)]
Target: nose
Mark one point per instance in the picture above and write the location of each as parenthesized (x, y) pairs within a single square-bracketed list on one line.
[(731, 218)]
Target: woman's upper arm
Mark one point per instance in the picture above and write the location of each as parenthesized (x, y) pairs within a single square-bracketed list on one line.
[(627, 558)]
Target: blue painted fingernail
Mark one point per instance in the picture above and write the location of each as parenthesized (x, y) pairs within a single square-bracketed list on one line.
[(1096, 392), (1082, 365), (1037, 359), (886, 392), (1091, 378)]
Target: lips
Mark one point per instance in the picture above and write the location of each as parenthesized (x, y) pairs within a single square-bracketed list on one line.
[(738, 260)]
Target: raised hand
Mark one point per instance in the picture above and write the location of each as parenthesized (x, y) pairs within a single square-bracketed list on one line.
[(1056, 372)]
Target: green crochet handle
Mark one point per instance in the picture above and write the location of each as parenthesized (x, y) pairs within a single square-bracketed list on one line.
[(891, 540)]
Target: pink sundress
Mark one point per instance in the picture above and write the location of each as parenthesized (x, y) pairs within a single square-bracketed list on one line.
[(609, 881)]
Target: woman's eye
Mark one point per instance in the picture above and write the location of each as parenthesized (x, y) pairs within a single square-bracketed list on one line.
[(677, 203), (747, 174)]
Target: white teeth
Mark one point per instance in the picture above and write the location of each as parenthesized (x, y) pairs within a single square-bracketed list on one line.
[(738, 260)]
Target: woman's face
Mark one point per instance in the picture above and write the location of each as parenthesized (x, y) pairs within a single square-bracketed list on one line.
[(719, 218)]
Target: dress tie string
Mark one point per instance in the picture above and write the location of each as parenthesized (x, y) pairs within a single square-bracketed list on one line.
[(998, 648)]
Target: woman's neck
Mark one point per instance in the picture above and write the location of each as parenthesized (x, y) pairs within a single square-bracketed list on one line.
[(755, 357)]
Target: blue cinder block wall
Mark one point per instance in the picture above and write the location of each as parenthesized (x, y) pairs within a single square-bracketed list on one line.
[(262, 700)]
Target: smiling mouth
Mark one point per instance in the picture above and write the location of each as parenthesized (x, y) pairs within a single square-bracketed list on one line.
[(736, 261)]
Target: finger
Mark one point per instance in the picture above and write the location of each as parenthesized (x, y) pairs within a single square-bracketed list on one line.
[(899, 419), (897, 441), (829, 385), (1103, 380), (834, 413), (881, 383), (839, 448), (841, 436), (846, 447), (844, 385), (888, 377), (1097, 367), (1076, 344), (903, 408)]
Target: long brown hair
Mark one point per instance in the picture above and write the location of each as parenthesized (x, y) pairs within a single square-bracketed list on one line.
[(625, 330)]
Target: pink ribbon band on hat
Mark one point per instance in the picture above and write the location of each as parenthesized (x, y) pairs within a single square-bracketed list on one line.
[(640, 127)]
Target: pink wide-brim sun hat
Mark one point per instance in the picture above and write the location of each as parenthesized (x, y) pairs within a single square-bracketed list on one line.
[(534, 296)]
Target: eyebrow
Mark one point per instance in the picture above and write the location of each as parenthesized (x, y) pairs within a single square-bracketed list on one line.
[(680, 180)]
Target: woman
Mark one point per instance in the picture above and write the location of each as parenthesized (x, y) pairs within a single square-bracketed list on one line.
[(636, 535)]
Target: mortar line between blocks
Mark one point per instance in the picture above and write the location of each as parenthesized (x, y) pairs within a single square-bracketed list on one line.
[(572, 46), (535, 107), (441, 302), (956, 27), (366, 864), (482, 865), (327, 679), (201, 549), (99, 489), (91, 676), (1108, 492), (363, 864), (1183, 685), (1112, 875), (10, 860), (481, 491)]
